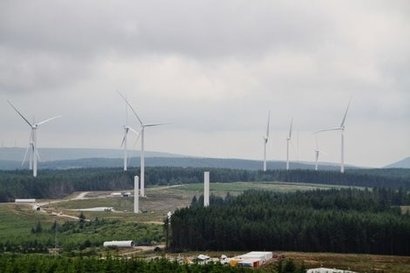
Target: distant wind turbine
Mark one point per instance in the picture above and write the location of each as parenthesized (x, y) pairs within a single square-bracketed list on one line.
[(265, 141), (125, 138), (341, 128), (317, 153), (288, 138), (34, 156), (143, 126)]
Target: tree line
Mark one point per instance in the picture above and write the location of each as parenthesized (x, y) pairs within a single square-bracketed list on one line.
[(61, 264), (58, 183), (346, 221)]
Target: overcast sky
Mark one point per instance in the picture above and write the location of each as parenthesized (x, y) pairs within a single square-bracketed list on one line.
[(212, 70)]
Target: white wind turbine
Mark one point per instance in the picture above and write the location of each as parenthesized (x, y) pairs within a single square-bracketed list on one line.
[(143, 126), (341, 128), (288, 138), (34, 156), (125, 138), (265, 142), (317, 153)]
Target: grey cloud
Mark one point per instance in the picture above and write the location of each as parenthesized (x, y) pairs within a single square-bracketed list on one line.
[(161, 27), (208, 66)]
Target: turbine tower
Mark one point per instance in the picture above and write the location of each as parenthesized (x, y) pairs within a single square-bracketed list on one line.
[(136, 196), (341, 129), (142, 133), (206, 189), (265, 142), (288, 138), (34, 156), (125, 138)]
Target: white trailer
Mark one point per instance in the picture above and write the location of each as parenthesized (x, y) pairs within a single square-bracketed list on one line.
[(119, 244), (24, 201)]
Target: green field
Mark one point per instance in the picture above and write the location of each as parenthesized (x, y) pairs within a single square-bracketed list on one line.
[(16, 221), (238, 187)]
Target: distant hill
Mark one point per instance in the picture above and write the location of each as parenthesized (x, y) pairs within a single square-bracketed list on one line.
[(66, 158), (404, 163), (54, 154)]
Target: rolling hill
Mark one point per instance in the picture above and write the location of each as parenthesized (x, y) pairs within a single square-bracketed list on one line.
[(66, 158), (404, 163)]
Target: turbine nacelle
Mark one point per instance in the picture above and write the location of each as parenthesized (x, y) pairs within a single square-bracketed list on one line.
[(265, 139)]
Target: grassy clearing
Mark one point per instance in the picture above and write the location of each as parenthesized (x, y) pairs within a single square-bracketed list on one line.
[(16, 221), (160, 200), (238, 187)]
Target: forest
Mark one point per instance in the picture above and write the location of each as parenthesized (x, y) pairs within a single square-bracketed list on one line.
[(59, 183), (344, 221)]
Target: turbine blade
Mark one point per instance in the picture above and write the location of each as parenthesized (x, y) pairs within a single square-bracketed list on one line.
[(344, 117), (132, 109), (25, 155), (267, 127), (133, 130), (330, 129), (137, 139), (21, 115), (123, 140), (154, 124), (290, 128), (47, 120)]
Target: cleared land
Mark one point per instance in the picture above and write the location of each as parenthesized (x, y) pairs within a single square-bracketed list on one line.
[(355, 262), (16, 221), (160, 200)]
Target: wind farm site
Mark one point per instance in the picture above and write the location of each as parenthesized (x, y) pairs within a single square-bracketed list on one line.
[(204, 136), (147, 212)]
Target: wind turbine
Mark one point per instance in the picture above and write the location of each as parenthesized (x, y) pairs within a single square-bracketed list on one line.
[(143, 126), (288, 138), (341, 128), (265, 139), (317, 153), (34, 156), (125, 138)]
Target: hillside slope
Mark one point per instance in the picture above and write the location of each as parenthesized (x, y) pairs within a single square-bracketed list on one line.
[(404, 163)]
